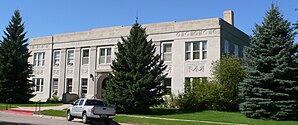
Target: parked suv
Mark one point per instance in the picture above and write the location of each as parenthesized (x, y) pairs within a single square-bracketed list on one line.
[(90, 109)]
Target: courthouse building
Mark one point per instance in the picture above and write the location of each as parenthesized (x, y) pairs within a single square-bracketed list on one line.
[(79, 62)]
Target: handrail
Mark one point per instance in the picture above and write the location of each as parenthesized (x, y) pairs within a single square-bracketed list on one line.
[(37, 106), (8, 103)]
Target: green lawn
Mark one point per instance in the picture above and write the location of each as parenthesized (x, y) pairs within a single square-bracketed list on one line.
[(216, 116)]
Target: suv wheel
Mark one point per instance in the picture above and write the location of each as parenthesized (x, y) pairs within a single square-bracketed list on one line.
[(85, 118), (69, 117)]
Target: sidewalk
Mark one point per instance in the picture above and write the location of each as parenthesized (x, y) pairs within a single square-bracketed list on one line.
[(64, 106)]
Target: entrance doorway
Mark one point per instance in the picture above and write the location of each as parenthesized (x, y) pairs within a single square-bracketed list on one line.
[(101, 84)]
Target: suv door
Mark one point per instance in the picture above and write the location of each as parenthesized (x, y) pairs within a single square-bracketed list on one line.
[(80, 107), (76, 108)]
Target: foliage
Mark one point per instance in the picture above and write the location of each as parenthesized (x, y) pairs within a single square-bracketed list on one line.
[(14, 66), (199, 95), (270, 89), (228, 72), (54, 99), (135, 82), (219, 93)]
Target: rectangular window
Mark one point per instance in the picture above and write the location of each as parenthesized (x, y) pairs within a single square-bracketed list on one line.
[(38, 84), (55, 86), (38, 59), (84, 86), (190, 80), (70, 57), (226, 47), (236, 50), (68, 85), (231, 48), (105, 56), (56, 58), (85, 57), (196, 50), (167, 51), (168, 83)]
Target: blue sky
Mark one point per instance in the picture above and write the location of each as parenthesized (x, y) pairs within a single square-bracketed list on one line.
[(49, 17)]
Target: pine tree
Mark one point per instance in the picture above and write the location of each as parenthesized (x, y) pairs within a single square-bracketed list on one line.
[(270, 89), (14, 65), (137, 73)]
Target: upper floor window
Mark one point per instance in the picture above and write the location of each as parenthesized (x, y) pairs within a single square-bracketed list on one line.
[(196, 50), (167, 51), (38, 59), (56, 58), (70, 57), (85, 56), (38, 84), (105, 56)]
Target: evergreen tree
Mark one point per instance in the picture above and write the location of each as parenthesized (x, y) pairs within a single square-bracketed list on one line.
[(270, 89), (137, 73), (14, 65)]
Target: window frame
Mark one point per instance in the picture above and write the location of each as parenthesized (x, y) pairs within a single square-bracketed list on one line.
[(82, 56), (163, 50), (192, 51), (68, 59), (53, 89), (69, 85), (37, 61), (105, 55), (83, 87), (38, 85), (55, 58)]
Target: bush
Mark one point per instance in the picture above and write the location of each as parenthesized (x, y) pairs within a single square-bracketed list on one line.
[(198, 95), (54, 99)]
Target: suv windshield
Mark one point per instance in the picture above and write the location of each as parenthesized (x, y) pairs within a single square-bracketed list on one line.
[(94, 102)]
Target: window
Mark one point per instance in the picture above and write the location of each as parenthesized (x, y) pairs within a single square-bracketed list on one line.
[(231, 48), (196, 50), (167, 83), (81, 102), (38, 59), (56, 58), (84, 86), (226, 47), (167, 51), (236, 50), (55, 86), (94, 102), (70, 57), (189, 82), (105, 56), (68, 85), (38, 84), (85, 56)]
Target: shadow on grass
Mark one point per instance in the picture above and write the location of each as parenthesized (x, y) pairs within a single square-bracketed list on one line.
[(162, 111)]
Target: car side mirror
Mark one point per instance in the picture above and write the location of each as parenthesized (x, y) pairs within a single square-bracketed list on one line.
[(73, 103)]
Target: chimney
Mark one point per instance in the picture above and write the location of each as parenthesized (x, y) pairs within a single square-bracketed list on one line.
[(229, 17)]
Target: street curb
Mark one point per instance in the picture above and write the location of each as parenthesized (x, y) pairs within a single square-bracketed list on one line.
[(50, 117)]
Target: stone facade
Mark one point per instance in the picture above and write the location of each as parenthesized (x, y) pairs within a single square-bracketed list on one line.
[(79, 62)]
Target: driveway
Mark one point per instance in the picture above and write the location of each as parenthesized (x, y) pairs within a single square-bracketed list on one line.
[(14, 119)]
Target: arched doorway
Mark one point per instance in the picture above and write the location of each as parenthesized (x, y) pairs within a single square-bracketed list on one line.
[(101, 84)]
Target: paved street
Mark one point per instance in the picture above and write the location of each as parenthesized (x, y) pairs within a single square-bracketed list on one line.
[(13, 119)]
